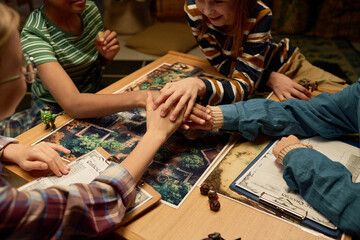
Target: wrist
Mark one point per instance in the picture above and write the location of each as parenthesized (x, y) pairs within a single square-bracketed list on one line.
[(201, 87), (5, 142), (154, 138), (287, 149), (140, 99)]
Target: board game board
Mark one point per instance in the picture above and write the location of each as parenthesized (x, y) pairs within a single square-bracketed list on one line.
[(181, 161)]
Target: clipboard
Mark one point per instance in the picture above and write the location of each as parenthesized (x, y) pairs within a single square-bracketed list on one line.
[(274, 203)]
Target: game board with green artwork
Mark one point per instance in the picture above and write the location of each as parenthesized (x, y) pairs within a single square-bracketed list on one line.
[(180, 162)]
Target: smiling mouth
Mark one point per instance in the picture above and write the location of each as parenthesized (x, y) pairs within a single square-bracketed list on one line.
[(215, 18)]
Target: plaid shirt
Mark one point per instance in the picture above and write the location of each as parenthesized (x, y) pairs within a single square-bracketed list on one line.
[(26, 119), (17, 123), (64, 212)]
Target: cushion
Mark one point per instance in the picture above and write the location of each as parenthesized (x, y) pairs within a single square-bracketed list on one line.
[(161, 37)]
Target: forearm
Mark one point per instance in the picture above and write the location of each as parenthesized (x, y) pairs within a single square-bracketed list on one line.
[(140, 158), (227, 91), (326, 185), (329, 115), (87, 105)]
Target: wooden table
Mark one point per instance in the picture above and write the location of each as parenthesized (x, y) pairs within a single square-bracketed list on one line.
[(193, 219)]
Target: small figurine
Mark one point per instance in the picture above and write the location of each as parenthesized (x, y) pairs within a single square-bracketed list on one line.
[(204, 189), (315, 86), (48, 118), (305, 83), (215, 205), (213, 195), (308, 85)]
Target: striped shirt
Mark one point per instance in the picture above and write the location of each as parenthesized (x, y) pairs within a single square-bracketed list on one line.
[(76, 53), (260, 55), (64, 212)]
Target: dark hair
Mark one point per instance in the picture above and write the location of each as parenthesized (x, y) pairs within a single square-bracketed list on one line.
[(235, 36)]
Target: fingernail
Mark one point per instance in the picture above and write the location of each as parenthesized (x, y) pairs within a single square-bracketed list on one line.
[(202, 121), (44, 166), (172, 118), (208, 117), (162, 113), (104, 48)]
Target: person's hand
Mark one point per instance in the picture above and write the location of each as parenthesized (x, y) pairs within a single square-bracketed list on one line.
[(42, 156), (108, 45), (200, 118), (156, 125), (285, 88), (183, 94), (284, 142)]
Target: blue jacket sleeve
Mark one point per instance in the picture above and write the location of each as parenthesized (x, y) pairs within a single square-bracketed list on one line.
[(327, 115), (325, 185)]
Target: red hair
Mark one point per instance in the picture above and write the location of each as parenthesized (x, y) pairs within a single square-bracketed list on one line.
[(236, 31)]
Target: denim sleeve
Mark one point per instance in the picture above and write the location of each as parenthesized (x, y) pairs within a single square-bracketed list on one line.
[(325, 185), (328, 115)]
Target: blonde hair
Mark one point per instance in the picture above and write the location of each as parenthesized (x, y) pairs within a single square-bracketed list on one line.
[(9, 21), (235, 36)]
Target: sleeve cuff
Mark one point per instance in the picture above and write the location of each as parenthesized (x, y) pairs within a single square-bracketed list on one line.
[(287, 149), (217, 119)]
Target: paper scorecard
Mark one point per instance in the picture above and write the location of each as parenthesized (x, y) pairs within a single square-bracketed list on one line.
[(84, 170)]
